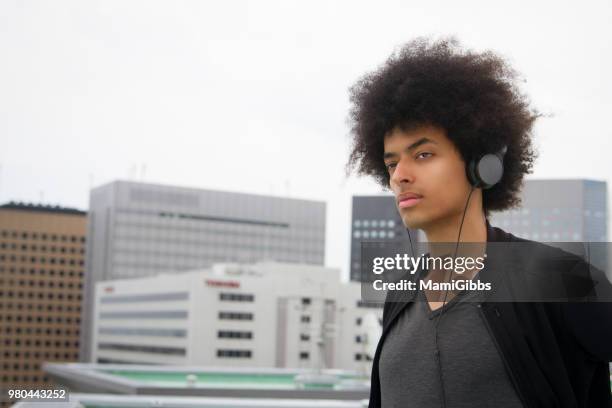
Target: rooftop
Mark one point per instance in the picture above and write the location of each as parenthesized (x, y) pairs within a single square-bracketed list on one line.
[(200, 381), (15, 205)]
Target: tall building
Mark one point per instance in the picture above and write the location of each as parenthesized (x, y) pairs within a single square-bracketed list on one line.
[(232, 315), (137, 229), (375, 218), (42, 251), (558, 211), (561, 212)]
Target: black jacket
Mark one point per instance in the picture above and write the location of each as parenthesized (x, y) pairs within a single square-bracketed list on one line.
[(556, 354)]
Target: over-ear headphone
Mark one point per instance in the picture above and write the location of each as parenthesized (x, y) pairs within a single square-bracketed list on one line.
[(486, 171)]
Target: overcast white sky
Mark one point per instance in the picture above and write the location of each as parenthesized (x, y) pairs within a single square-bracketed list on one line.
[(253, 96)]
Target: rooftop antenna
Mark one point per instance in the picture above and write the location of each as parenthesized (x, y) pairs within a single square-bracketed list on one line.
[(326, 331), (133, 172), (143, 170), (323, 332), (288, 187), (371, 334)]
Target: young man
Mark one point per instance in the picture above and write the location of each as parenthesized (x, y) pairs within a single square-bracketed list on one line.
[(419, 124)]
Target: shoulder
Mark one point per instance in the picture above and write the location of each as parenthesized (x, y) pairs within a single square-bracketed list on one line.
[(552, 270)]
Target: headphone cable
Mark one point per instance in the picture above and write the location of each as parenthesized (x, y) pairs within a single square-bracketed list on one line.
[(437, 351), (455, 256)]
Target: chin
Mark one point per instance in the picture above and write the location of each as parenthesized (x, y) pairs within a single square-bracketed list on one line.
[(413, 220)]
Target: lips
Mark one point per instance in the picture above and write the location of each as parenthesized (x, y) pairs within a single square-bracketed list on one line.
[(406, 200)]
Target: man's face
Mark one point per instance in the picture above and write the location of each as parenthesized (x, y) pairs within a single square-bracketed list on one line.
[(427, 176)]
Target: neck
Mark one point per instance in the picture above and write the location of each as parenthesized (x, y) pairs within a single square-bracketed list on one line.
[(474, 228)]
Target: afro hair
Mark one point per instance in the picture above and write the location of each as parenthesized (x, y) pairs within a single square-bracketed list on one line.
[(472, 96)]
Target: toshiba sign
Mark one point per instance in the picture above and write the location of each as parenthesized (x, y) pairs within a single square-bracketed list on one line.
[(222, 284)]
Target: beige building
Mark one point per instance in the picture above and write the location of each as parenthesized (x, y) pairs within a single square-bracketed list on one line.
[(42, 252)]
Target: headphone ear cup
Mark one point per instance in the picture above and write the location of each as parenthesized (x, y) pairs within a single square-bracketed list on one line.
[(471, 173), (489, 170)]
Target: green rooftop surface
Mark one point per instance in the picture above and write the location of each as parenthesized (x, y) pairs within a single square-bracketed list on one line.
[(225, 379)]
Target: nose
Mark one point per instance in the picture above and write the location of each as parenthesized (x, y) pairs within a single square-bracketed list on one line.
[(403, 173)]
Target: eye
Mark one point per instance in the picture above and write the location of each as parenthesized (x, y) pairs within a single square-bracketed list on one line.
[(427, 154), (390, 166)]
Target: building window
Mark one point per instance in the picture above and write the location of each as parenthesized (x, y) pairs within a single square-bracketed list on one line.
[(234, 334), (362, 357), (304, 337), (162, 314), (144, 349), (305, 301), (235, 316), (129, 331), (226, 353), (358, 321), (305, 319), (304, 355), (362, 303), (149, 297), (236, 297)]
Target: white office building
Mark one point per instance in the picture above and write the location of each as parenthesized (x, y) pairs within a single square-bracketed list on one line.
[(257, 315)]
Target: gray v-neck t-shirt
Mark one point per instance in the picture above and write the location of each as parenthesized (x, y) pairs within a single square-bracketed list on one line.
[(466, 367)]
